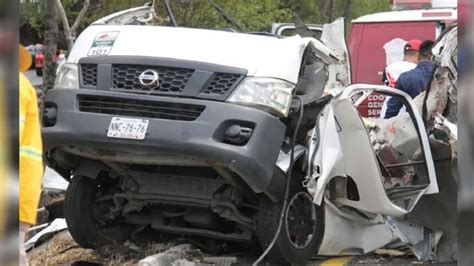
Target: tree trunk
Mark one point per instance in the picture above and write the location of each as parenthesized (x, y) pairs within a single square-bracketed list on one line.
[(347, 9), (70, 32), (65, 22), (50, 45), (327, 10), (330, 10)]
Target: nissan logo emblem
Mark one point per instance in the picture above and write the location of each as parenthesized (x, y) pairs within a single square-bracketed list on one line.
[(149, 78)]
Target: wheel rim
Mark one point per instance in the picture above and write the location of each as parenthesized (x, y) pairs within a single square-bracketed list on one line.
[(300, 220)]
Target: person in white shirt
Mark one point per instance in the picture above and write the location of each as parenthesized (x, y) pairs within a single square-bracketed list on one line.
[(394, 70)]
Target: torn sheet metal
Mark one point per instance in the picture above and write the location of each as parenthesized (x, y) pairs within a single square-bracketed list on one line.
[(442, 97), (53, 182), (144, 14), (327, 154), (55, 227), (284, 159), (334, 37), (339, 149), (421, 240), (345, 150), (349, 233)]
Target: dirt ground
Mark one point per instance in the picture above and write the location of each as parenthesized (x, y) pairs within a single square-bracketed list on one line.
[(62, 250)]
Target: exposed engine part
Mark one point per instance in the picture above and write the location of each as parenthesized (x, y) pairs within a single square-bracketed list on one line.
[(177, 203)]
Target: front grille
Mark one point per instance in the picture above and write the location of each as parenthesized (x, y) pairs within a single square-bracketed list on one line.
[(171, 81), (89, 74), (221, 83), (139, 108), (176, 78)]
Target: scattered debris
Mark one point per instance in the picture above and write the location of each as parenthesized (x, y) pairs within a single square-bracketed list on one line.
[(53, 182), (177, 255), (60, 250), (389, 252), (55, 227)]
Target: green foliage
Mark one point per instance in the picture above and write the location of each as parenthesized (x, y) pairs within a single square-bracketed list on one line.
[(319, 12), (33, 14), (102, 8), (252, 15)]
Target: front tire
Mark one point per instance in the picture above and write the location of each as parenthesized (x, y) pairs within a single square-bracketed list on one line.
[(80, 218), (302, 230)]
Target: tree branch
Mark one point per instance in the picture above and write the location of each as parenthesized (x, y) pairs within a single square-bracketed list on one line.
[(65, 22), (70, 32), (79, 18)]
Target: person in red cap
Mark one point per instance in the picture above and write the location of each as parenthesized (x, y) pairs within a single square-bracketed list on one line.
[(415, 81), (393, 71), (410, 60)]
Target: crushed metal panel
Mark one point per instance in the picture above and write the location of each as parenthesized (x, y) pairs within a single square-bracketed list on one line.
[(339, 154), (421, 240), (360, 162), (56, 226), (328, 158), (143, 14), (53, 182), (283, 161), (349, 236), (442, 98), (334, 37), (433, 186)]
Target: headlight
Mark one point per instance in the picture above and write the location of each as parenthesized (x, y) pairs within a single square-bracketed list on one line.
[(273, 95), (67, 76)]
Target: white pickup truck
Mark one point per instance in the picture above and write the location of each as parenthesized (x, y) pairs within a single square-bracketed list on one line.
[(223, 137)]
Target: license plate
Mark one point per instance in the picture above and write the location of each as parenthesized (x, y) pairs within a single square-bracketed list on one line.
[(127, 128)]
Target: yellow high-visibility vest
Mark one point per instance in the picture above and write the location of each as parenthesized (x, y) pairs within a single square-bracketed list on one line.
[(4, 180), (31, 163)]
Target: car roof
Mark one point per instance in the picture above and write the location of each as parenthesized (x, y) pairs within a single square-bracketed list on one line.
[(448, 14)]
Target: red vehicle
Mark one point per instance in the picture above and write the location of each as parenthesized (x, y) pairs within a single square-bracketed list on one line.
[(39, 60), (370, 33)]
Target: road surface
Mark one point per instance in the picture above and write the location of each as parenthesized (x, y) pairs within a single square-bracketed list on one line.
[(35, 80)]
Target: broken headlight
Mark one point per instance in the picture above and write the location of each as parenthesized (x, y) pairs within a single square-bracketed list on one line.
[(67, 76), (269, 94)]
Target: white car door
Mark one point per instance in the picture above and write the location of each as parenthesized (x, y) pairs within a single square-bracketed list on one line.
[(385, 172)]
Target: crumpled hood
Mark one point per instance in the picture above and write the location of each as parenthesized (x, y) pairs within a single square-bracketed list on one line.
[(262, 56)]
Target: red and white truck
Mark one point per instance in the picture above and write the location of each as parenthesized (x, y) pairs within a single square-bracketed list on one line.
[(408, 19), (371, 32)]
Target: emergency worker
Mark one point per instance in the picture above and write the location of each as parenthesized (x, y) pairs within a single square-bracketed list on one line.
[(394, 70), (31, 165), (415, 81)]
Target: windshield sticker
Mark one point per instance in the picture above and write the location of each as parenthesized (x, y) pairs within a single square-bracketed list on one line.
[(103, 43)]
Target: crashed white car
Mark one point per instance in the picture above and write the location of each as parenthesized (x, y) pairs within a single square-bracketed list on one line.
[(174, 132)]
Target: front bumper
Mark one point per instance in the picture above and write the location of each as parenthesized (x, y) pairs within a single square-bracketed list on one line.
[(254, 162)]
